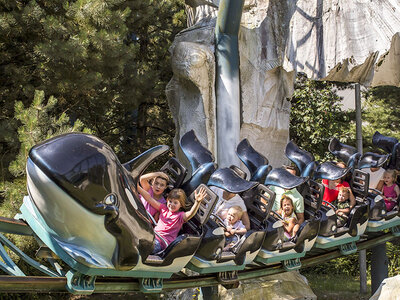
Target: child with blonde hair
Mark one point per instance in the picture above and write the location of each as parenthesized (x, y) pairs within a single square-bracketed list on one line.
[(390, 189), (171, 218), (343, 205), (233, 226), (286, 211)]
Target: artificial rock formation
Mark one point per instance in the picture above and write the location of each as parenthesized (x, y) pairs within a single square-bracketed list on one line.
[(389, 289), (348, 41), (289, 286)]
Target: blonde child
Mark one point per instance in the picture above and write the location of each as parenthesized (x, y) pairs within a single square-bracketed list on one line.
[(390, 189), (155, 184), (171, 218), (343, 205), (286, 211), (233, 226)]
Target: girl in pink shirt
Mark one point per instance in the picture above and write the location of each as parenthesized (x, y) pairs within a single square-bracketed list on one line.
[(171, 218), (155, 184), (390, 189)]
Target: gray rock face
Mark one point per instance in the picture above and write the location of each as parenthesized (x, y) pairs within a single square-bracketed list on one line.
[(191, 92), (341, 40), (289, 286), (389, 289), (349, 41)]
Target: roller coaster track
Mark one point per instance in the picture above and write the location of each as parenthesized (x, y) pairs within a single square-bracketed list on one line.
[(37, 284)]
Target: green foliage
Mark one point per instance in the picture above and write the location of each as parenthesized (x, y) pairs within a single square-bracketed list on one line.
[(316, 116), (102, 60), (38, 124), (349, 266), (380, 113), (345, 265), (393, 255), (11, 195)]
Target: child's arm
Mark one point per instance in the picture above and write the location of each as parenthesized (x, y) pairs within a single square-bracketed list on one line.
[(240, 231), (397, 190), (246, 220), (198, 196), (343, 211), (146, 196), (228, 231), (352, 199), (290, 224), (144, 179)]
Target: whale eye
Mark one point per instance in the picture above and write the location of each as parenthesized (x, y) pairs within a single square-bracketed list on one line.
[(110, 199)]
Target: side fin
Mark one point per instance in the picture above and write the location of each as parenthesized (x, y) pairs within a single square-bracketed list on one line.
[(301, 158), (330, 171), (195, 152), (372, 160), (227, 179), (252, 159), (386, 143), (348, 154), (137, 165)]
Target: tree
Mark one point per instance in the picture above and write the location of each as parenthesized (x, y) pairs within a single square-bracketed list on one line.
[(316, 116), (38, 125), (380, 114), (100, 59)]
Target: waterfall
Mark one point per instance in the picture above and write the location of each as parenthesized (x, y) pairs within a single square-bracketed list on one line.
[(227, 81)]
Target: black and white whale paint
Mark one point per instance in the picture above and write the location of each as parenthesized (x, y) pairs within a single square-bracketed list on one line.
[(89, 200)]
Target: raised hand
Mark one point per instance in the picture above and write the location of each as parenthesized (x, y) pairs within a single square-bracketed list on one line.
[(200, 194)]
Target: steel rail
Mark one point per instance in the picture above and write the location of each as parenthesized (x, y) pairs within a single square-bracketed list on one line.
[(39, 284)]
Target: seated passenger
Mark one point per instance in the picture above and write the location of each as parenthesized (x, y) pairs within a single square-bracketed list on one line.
[(286, 211), (155, 184), (332, 188), (390, 189), (375, 178), (225, 201), (234, 226), (171, 218), (297, 198), (343, 205)]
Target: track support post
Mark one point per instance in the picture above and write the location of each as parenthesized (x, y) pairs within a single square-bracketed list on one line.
[(396, 230), (229, 279), (151, 285), (80, 284), (348, 248), (292, 264)]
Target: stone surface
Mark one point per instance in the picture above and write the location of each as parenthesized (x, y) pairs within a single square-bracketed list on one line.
[(191, 92), (290, 285), (351, 41), (389, 289), (342, 40)]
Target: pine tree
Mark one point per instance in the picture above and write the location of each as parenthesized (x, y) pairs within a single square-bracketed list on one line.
[(107, 63), (38, 125)]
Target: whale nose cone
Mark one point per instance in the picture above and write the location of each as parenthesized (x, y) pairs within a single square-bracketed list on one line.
[(87, 170)]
